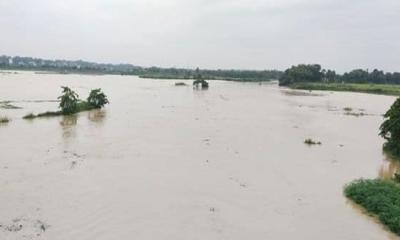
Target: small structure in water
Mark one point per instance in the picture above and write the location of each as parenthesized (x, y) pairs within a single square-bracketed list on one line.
[(199, 82)]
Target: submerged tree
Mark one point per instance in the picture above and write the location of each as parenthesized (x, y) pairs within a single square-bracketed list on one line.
[(69, 101), (97, 98), (390, 129), (199, 81)]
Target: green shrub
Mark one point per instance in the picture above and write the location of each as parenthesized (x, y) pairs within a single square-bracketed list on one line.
[(379, 197), (4, 119), (309, 141), (390, 129), (97, 98), (69, 101)]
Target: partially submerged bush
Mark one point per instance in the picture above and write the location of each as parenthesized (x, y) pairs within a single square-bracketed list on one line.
[(309, 141), (379, 197), (180, 84), (97, 98), (69, 101), (4, 119), (348, 109)]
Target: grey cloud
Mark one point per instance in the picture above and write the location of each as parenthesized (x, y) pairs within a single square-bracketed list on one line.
[(252, 34)]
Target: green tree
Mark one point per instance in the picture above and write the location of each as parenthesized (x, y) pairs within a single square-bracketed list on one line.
[(68, 101), (301, 73), (390, 129), (97, 98)]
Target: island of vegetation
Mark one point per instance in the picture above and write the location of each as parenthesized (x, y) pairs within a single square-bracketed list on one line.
[(313, 77), (309, 141), (199, 82), (381, 197), (71, 104)]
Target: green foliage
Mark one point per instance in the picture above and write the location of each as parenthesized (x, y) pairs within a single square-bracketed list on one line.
[(301, 73), (390, 129), (97, 98), (69, 101), (309, 141), (379, 197), (313, 73), (4, 119)]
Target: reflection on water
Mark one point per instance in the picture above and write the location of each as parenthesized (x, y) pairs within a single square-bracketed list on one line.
[(97, 115), (389, 167), (68, 124)]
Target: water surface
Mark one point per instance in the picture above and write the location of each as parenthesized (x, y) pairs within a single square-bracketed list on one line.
[(167, 162)]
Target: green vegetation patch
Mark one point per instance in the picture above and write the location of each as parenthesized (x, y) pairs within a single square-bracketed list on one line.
[(380, 198), (71, 104), (385, 89), (390, 130), (309, 141), (4, 119)]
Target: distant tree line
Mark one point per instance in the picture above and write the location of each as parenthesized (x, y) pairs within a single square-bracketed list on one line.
[(66, 66), (314, 73)]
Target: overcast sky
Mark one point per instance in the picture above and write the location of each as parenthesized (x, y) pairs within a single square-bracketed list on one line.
[(242, 34)]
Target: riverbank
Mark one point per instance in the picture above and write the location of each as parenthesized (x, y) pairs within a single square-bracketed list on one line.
[(380, 198), (384, 89)]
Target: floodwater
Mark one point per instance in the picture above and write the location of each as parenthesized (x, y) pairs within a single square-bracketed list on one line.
[(167, 162)]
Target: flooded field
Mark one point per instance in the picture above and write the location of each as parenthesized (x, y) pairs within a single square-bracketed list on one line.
[(168, 162)]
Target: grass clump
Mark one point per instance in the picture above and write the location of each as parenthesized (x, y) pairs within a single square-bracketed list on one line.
[(4, 120), (309, 141), (347, 109), (378, 197)]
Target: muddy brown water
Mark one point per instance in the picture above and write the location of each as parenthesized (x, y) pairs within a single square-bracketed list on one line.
[(167, 162)]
